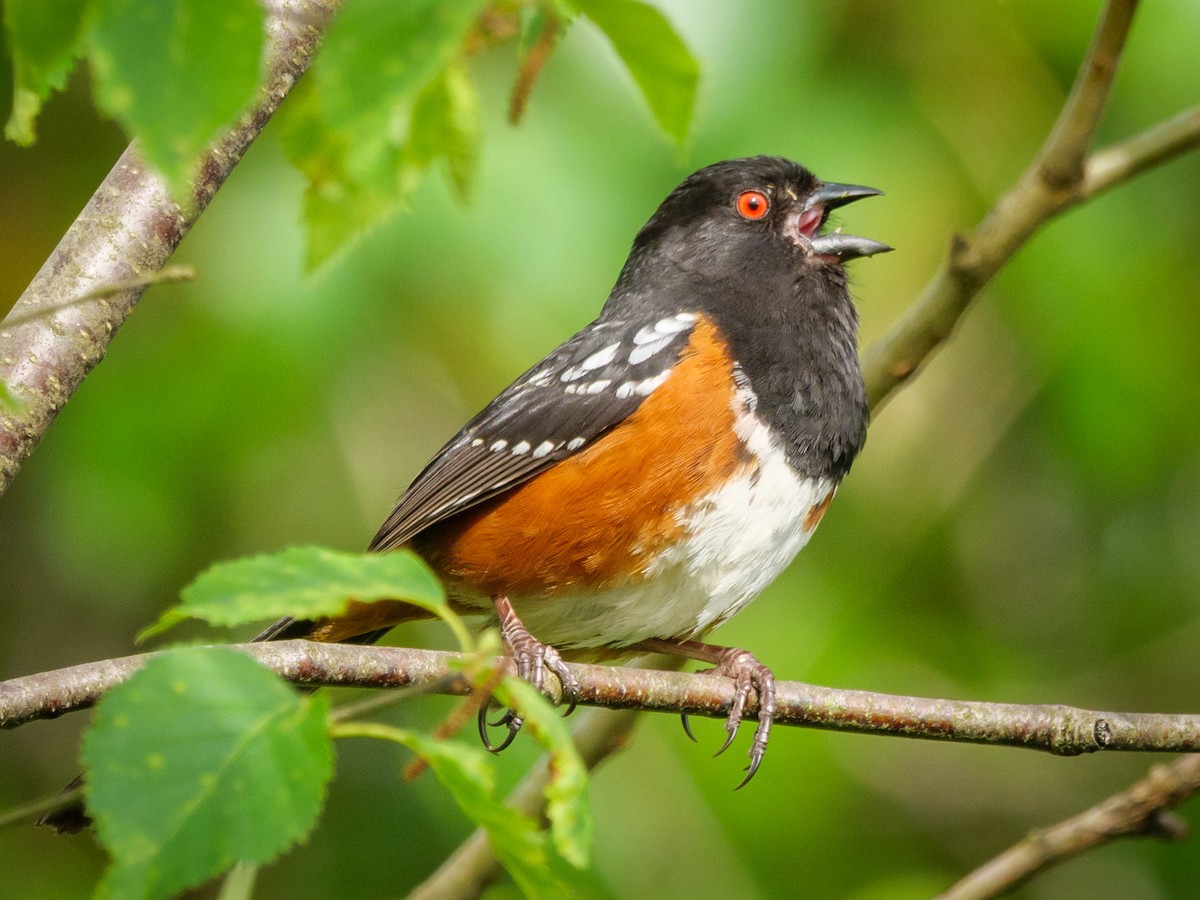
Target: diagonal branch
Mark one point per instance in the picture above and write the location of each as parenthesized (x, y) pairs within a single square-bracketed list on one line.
[(1140, 811), (59, 328), (1051, 184), (1062, 730)]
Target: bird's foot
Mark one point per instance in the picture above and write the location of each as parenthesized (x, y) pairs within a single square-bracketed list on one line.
[(748, 675), (533, 659)]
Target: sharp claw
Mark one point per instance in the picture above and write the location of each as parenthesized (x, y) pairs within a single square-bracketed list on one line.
[(728, 740), (748, 675), (755, 762), (532, 659), (509, 720), (687, 727)]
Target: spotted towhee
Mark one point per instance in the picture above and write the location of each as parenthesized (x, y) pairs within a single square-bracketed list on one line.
[(648, 478)]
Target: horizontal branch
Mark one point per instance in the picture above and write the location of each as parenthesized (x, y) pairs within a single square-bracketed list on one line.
[(1058, 729)]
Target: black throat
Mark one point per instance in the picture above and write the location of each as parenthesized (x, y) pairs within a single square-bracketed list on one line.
[(793, 331), (799, 351)]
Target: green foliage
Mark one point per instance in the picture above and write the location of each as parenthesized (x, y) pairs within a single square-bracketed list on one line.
[(566, 794), (656, 57), (306, 583), (149, 59), (541, 868), (45, 36), (389, 95), (200, 760), (386, 100)]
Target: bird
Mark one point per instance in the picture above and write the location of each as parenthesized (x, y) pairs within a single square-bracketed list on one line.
[(651, 475), (657, 470)]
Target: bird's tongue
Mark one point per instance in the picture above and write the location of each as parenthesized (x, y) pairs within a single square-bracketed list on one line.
[(810, 221)]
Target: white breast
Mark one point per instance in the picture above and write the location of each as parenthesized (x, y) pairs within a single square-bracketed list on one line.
[(737, 540)]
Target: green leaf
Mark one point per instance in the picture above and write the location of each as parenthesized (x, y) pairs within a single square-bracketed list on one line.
[(656, 57), (445, 125), (567, 805), (306, 583), (469, 774), (175, 73), (45, 38), (202, 759), (385, 78)]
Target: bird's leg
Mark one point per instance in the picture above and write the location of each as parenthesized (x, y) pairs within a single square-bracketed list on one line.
[(532, 659), (747, 673)]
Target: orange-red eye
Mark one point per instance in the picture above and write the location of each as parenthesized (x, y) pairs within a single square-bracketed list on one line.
[(752, 204)]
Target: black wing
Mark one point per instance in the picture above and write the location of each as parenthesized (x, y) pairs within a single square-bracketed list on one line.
[(583, 389)]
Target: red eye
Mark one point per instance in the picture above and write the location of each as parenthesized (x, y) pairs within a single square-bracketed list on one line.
[(752, 204)]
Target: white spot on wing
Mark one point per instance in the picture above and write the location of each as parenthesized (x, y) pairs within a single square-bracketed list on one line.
[(520, 449), (597, 386), (600, 358), (543, 448), (478, 442), (643, 352), (498, 445), (575, 443), (648, 386)]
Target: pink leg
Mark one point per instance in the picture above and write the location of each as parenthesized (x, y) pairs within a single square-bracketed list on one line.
[(747, 673), (532, 659)]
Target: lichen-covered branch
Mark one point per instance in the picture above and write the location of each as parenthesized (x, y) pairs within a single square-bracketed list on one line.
[(61, 326), (1062, 730)]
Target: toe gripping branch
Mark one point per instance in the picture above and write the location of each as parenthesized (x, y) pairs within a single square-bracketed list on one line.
[(532, 659), (747, 674)]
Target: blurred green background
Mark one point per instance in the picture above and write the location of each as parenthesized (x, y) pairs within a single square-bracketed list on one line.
[(1024, 524)]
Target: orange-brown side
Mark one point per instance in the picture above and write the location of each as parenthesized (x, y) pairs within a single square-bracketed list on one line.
[(596, 517), (601, 515)]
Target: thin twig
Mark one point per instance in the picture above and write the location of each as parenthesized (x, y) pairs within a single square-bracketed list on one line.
[(1122, 161), (169, 275), (31, 812), (1137, 812)]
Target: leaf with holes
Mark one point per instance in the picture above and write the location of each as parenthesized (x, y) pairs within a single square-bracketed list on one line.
[(201, 759)]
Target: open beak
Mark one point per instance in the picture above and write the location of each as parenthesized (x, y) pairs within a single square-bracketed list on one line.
[(844, 246)]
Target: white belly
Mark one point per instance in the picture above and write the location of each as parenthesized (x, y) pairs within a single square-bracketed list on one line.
[(737, 540)]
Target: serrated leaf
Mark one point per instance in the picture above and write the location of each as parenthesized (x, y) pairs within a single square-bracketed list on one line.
[(469, 774), (305, 583), (44, 37), (201, 759), (659, 61), (350, 128), (567, 805), (175, 72), (445, 125)]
